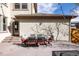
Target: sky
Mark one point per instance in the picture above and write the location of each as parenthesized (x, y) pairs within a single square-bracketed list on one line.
[(55, 8), (61, 8)]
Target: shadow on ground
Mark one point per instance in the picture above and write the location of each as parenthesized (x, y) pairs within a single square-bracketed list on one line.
[(23, 45)]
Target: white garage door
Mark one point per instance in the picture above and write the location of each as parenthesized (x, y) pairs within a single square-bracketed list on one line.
[(28, 28)]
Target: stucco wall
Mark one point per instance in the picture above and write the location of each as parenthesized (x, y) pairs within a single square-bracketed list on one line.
[(5, 10), (30, 10), (28, 27)]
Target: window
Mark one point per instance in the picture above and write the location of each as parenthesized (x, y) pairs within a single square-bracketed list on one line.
[(17, 5), (16, 25), (2, 23), (21, 6), (24, 5)]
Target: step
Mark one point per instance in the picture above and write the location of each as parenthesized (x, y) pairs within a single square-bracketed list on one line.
[(12, 39)]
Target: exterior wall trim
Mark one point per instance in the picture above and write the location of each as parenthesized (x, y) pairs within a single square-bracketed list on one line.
[(43, 16)]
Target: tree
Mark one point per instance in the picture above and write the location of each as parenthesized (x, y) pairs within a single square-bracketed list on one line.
[(50, 29), (2, 9), (36, 28), (57, 27)]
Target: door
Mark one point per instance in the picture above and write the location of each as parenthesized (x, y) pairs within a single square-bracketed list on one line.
[(15, 28)]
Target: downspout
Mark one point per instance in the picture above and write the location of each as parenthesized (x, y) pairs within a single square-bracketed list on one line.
[(31, 8), (35, 7)]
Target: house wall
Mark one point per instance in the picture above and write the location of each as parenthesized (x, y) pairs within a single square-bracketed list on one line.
[(10, 13), (31, 26), (14, 12), (6, 13)]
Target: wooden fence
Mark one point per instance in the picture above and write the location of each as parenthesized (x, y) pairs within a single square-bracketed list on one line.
[(74, 35)]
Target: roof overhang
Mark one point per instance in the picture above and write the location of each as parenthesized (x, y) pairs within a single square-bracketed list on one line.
[(44, 16)]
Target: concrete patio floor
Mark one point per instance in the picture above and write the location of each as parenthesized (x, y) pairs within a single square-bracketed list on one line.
[(8, 49)]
